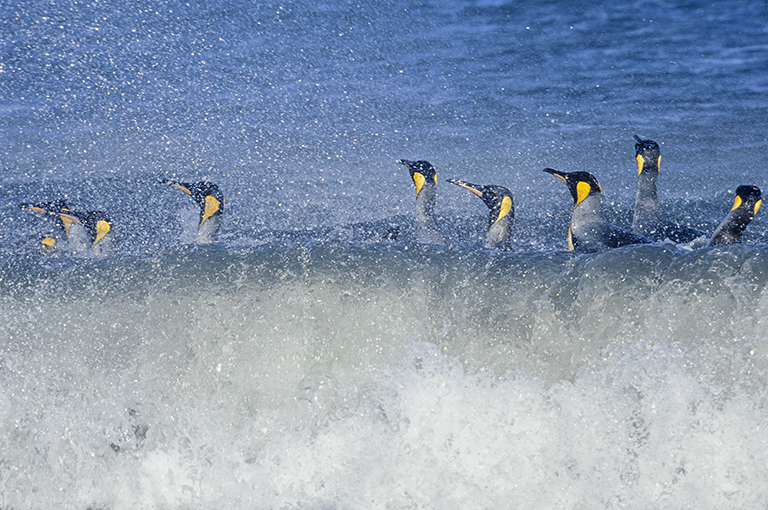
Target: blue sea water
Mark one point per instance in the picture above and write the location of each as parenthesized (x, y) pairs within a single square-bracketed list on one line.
[(307, 361)]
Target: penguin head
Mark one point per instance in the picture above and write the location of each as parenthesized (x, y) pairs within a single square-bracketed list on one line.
[(648, 155), (580, 184), (58, 208), (206, 195), (421, 172), (747, 200), (54, 207), (497, 198), (744, 209)]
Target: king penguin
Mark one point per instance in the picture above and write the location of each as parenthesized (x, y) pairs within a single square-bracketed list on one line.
[(210, 199), (502, 215), (52, 209), (588, 231), (744, 208), (91, 231), (425, 179), (648, 220)]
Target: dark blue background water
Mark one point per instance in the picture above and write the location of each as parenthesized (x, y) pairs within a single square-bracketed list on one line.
[(301, 362)]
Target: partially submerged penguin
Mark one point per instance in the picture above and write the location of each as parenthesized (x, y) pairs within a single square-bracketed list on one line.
[(745, 207), (210, 200), (84, 231), (649, 220), (589, 231), (502, 214), (425, 179)]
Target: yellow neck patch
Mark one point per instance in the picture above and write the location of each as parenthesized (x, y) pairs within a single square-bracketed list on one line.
[(757, 206), (102, 229), (211, 207), (67, 220), (736, 203), (49, 244), (582, 192), (658, 163), (506, 206), (640, 162), (418, 180)]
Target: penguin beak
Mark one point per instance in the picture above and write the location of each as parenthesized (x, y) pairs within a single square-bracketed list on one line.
[(35, 208), (182, 188), (477, 190), (556, 174), (212, 206), (102, 229)]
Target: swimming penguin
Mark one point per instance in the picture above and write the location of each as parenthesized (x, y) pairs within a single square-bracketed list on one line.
[(425, 178), (210, 199), (84, 231), (649, 220), (589, 232), (88, 231), (502, 215), (52, 209), (744, 208)]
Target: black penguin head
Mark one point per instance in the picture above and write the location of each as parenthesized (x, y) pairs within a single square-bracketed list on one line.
[(580, 184), (744, 209), (747, 199), (648, 155), (54, 207), (497, 198), (421, 172), (58, 208), (206, 195)]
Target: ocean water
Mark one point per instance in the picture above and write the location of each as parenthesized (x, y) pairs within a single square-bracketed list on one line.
[(306, 360)]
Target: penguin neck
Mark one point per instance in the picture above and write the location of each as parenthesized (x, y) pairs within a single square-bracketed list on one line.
[(77, 238), (647, 216), (426, 226), (498, 234), (425, 204), (589, 211), (104, 247), (732, 227), (208, 232)]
